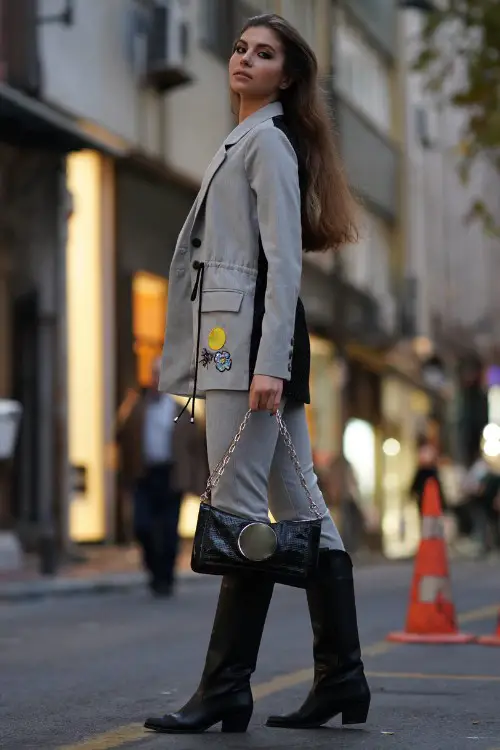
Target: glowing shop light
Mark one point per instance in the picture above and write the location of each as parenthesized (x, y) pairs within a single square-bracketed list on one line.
[(391, 447)]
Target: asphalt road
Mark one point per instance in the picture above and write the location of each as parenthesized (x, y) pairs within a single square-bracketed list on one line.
[(84, 672)]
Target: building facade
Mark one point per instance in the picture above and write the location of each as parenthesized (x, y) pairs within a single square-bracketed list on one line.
[(451, 262), (115, 109), (34, 142), (126, 102)]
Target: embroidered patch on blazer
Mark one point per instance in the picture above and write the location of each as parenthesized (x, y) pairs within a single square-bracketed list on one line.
[(222, 360), (206, 357), (216, 339)]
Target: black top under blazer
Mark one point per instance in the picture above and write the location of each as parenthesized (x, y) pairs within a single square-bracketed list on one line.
[(297, 388)]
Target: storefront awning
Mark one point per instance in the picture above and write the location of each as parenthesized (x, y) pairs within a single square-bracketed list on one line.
[(29, 122)]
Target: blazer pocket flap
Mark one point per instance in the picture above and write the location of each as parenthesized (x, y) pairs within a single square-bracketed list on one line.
[(221, 300)]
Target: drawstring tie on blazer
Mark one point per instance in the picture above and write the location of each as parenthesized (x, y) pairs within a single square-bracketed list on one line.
[(197, 292)]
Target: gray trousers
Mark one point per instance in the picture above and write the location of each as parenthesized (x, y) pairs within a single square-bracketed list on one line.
[(260, 475)]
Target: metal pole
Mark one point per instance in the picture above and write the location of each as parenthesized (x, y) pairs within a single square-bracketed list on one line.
[(64, 210), (47, 395), (46, 436)]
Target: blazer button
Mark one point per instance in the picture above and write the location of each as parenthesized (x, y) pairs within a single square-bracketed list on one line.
[(196, 242), (196, 265)]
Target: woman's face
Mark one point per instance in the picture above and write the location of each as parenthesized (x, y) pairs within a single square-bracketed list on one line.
[(256, 67)]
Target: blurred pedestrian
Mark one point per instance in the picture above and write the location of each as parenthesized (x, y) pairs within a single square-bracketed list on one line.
[(490, 496), (342, 493), (427, 468), (274, 187), (160, 461), (481, 489)]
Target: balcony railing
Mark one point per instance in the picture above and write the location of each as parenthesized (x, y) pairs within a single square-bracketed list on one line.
[(371, 158)]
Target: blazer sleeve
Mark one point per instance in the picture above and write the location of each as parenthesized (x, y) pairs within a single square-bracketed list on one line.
[(272, 170)]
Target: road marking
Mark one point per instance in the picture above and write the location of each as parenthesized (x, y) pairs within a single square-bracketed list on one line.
[(124, 735), (285, 681), (426, 676), (110, 740), (483, 613), (377, 649)]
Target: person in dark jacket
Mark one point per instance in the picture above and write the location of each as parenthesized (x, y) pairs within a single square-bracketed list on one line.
[(427, 468), (161, 460)]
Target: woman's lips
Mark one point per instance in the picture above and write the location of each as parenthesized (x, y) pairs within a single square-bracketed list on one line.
[(242, 74)]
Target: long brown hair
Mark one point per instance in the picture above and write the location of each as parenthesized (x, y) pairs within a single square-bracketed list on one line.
[(329, 208)]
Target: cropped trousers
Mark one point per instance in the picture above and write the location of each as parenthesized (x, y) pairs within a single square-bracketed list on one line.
[(260, 476)]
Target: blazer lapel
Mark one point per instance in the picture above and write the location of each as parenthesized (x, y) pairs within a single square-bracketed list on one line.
[(210, 173), (261, 115)]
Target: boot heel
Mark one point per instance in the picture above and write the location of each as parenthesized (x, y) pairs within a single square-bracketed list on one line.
[(238, 722), (355, 713)]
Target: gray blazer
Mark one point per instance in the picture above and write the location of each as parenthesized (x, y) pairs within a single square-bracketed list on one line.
[(249, 201)]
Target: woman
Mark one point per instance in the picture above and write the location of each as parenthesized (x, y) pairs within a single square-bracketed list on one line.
[(237, 334)]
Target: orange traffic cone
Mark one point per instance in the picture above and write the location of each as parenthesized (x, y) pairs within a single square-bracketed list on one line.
[(491, 640), (431, 614)]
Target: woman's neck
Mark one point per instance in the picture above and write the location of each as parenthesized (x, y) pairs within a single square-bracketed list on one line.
[(249, 106)]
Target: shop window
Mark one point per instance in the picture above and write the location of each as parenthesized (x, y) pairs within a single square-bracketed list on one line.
[(323, 414), (359, 449), (149, 305)]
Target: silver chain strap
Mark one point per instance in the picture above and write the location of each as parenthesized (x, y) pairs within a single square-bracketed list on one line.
[(217, 473)]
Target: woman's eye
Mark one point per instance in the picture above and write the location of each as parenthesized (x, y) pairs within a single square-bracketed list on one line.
[(265, 55), (240, 50)]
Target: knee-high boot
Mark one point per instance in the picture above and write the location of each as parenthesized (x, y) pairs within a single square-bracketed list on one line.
[(224, 693), (340, 684)]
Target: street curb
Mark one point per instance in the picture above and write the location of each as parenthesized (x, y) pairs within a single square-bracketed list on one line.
[(19, 591), (58, 587)]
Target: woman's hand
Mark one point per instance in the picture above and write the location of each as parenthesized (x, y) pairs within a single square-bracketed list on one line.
[(265, 393)]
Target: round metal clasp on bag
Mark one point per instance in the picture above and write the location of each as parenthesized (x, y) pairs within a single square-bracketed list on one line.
[(257, 541)]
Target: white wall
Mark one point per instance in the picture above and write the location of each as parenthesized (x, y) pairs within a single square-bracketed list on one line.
[(87, 73), (454, 263), (199, 115)]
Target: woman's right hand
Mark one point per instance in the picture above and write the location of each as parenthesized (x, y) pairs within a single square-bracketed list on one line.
[(265, 393)]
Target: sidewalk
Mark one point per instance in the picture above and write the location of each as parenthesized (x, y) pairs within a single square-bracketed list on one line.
[(105, 569)]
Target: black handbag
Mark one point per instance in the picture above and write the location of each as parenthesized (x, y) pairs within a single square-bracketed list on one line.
[(285, 552)]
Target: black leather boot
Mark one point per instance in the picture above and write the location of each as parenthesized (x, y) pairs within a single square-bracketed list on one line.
[(224, 694), (340, 684)]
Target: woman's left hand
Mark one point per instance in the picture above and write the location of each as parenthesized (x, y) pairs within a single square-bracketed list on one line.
[(265, 393)]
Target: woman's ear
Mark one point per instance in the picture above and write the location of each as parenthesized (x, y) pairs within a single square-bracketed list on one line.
[(285, 83)]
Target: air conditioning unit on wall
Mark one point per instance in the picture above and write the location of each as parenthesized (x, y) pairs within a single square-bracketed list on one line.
[(168, 45)]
